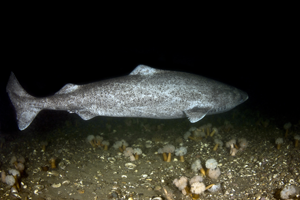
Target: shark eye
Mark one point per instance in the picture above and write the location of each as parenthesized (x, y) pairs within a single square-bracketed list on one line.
[(241, 99)]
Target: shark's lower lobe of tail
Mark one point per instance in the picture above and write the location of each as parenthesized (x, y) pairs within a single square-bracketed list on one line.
[(22, 102)]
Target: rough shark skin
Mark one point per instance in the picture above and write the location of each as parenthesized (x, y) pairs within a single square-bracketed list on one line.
[(145, 92)]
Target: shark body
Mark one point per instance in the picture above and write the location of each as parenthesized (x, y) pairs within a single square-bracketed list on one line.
[(145, 92)]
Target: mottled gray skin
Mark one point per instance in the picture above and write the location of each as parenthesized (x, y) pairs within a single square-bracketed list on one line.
[(146, 92)]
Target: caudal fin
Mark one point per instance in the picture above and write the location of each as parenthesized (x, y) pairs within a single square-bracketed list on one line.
[(22, 101)]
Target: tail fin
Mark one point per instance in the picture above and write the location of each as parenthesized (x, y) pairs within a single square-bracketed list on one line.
[(22, 102)]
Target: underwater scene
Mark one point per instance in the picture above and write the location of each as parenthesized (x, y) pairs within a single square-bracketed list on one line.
[(91, 107), (241, 154)]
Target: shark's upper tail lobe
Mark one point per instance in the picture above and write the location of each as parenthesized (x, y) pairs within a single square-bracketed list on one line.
[(25, 106)]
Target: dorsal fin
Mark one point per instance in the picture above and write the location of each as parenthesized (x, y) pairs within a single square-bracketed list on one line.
[(68, 88), (145, 70)]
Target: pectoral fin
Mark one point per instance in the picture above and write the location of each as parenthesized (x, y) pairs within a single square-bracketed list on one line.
[(195, 114)]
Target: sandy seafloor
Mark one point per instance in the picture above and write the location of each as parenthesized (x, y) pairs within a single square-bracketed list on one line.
[(260, 171)]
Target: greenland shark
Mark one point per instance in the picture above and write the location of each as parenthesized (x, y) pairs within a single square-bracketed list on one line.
[(146, 92)]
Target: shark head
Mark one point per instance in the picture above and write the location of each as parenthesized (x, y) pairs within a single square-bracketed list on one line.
[(227, 99)]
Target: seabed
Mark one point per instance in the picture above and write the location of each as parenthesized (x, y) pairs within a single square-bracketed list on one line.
[(260, 171)]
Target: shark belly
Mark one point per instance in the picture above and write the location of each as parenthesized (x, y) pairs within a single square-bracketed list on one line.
[(132, 98)]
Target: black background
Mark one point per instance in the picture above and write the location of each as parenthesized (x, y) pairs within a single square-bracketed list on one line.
[(259, 56)]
